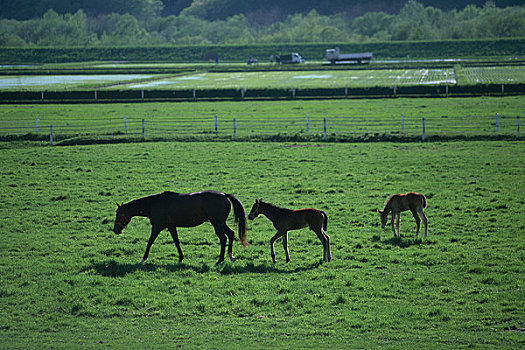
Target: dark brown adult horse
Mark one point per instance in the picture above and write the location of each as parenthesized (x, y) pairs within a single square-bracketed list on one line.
[(285, 220), (171, 210), (396, 203)]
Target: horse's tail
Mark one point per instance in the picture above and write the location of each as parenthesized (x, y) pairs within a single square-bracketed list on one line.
[(423, 201), (240, 218), (325, 220)]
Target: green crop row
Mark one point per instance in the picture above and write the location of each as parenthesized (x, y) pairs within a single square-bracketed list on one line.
[(448, 48)]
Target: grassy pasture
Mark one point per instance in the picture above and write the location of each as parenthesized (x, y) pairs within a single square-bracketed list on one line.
[(67, 281), (345, 118)]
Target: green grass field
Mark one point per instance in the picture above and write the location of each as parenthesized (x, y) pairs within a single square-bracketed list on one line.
[(67, 281)]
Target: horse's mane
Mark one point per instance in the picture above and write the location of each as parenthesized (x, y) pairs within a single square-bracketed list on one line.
[(273, 205), (387, 201), (147, 199)]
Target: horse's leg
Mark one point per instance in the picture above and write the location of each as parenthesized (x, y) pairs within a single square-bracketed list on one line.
[(392, 223), (155, 230), (175, 236), (272, 243), (327, 240), (285, 246), (231, 236), (425, 220), (219, 231), (398, 218), (418, 221), (322, 238)]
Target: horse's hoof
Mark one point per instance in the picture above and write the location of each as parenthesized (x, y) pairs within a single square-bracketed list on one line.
[(232, 258), (142, 262)]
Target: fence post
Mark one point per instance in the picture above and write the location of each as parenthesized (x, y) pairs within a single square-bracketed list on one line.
[(346, 91), (502, 89), (51, 136), (518, 127), (497, 121), (307, 124), (36, 124), (234, 128), (142, 95), (446, 91), (423, 137), (402, 122), (42, 96), (194, 94), (143, 127), (395, 91), (324, 122), (125, 125), (242, 92), (95, 95), (216, 124)]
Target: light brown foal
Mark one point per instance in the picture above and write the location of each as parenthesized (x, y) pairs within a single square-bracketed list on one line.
[(396, 203)]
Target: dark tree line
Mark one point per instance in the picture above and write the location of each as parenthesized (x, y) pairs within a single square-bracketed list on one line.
[(144, 25), (260, 11)]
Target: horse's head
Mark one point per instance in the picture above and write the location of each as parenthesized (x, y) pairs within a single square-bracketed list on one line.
[(255, 209), (384, 217), (121, 219)]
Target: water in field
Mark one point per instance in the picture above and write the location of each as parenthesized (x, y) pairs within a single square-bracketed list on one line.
[(50, 81)]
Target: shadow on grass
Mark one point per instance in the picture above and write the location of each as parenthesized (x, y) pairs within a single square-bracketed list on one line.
[(232, 269), (405, 242), (113, 268)]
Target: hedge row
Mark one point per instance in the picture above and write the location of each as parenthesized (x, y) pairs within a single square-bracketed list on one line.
[(417, 49), (239, 94)]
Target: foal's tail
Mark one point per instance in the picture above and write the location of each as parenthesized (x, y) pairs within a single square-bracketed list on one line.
[(325, 220), (240, 218), (423, 201)]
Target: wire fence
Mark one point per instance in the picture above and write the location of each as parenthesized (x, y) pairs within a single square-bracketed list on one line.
[(247, 127)]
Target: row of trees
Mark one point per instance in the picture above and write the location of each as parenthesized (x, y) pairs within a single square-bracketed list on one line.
[(413, 22)]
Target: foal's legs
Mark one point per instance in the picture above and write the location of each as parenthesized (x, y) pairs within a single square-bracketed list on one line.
[(322, 237), (229, 232), (285, 246), (155, 230), (418, 221), (173, 232), (272, 242), (392, 223), (327, 240), (425, 220), (397, 223)]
